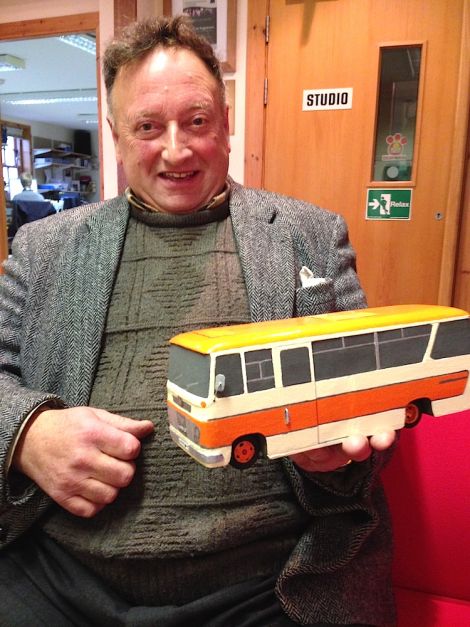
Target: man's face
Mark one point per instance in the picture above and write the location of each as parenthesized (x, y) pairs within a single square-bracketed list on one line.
[(170, 130)]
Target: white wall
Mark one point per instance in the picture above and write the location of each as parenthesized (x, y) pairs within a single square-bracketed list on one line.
[(48, 131), (237, 141), (108, 160)]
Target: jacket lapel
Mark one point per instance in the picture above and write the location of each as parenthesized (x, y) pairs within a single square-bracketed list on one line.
[(260, 236), (95, 265)]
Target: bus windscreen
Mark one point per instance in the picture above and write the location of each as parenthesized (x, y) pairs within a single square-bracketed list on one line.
[(189, 370)]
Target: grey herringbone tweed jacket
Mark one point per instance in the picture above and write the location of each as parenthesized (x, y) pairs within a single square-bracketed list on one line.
[(54, 298)]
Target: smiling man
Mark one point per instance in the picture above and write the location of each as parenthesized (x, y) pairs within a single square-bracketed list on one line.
[(103, 519), (170, 129)]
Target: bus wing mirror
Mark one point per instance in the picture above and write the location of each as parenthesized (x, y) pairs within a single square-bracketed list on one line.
[(219, 384)]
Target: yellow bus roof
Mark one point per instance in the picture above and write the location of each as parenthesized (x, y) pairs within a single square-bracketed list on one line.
[(216, 339)]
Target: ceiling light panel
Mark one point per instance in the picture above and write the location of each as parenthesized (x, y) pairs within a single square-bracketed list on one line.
[(50, 97), (83, 42)]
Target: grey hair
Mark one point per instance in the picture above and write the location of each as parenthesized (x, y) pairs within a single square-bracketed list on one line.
[(140, 38), (26, 178)]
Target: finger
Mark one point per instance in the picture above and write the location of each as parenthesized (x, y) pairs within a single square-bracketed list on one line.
[(322, 459), (96, 491), (79, 506), (114, 472), (357, 448), (138, 428), (383, 441), (114, 442)]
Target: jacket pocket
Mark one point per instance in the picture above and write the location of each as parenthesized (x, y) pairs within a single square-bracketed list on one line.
[(315, 299)]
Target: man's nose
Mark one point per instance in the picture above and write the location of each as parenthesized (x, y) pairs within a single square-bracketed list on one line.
[(175, 144)]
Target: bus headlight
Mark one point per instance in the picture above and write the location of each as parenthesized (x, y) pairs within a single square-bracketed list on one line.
[(183, 425)]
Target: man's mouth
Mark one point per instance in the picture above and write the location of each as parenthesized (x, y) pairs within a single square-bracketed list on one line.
[(178, 176)]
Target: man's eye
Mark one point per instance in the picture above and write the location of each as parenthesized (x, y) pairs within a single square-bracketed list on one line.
[(146, 126), (199, 121)]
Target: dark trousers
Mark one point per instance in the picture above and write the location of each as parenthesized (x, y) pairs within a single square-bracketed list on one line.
[(41, 584)]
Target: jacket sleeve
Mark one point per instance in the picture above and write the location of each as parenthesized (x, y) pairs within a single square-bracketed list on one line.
[(21, 501)]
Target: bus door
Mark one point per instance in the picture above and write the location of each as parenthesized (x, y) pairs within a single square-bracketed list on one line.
[(300, 409)]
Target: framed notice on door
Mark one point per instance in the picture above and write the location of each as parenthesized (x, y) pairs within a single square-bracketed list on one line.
[(216, 20)]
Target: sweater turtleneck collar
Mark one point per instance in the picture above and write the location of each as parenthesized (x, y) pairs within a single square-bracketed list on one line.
[(217, 209)]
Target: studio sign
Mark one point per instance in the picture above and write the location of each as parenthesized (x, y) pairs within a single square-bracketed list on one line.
[(338, 98)]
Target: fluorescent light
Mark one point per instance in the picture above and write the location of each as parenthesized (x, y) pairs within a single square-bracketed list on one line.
[(8, 63), (56, 100), (50, 97), (83, 42)]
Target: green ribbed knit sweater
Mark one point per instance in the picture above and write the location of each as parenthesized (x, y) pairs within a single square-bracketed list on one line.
[(180, 530)]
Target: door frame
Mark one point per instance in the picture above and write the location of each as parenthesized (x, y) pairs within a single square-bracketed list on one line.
[(125, 11), (255, 128)]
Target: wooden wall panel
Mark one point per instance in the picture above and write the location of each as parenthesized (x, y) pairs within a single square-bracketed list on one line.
[(47, 27), (462, 275), (254, 100), (125, 12)]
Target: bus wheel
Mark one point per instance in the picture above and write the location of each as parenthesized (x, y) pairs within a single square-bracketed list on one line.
[(245, 451), (413, 415)]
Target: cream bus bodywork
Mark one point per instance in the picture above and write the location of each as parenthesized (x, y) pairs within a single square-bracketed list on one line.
[(326, 409)]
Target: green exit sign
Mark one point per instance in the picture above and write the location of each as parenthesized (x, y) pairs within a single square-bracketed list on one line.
[(388, 204)]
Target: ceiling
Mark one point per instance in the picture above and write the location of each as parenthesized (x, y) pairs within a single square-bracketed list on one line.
[(51, 66)]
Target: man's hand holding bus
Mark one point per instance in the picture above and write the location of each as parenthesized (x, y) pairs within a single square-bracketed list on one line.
[(81, 456), (356, 448)]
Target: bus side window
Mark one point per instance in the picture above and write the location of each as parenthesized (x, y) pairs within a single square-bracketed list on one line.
[(452, 339), (399, 347), (344, 356), (259, 370), (230, 366), (295, 365)]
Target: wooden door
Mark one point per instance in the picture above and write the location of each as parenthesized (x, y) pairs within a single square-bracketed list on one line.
[(462, 274), (327, 156)]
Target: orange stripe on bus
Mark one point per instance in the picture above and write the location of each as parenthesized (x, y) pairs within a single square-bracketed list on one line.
[(388, 397), (223, 431)]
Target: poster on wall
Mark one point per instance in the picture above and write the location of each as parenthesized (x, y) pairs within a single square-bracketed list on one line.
[(216, 20), (203, 15)]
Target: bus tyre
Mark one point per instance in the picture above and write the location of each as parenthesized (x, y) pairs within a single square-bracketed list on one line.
[(245, 451), (413, 415)]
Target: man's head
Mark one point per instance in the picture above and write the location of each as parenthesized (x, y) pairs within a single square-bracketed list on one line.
[(26, 179), (167, 113)]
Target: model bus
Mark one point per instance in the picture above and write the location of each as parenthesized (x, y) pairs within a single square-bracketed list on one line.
[(286, 386)]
